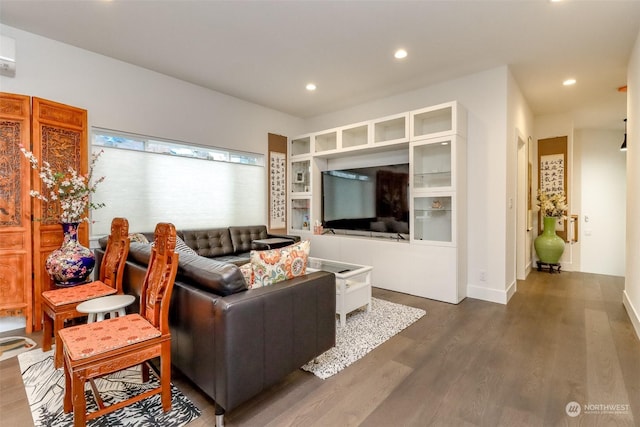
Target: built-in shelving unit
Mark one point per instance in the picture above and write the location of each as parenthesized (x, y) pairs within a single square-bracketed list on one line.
[(432, 263), (355, 136), (300, 179), (327, 141), (300, 146), (300, 215), (391, 129)]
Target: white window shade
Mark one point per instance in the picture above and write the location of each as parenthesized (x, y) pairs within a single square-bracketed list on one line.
[(147, 188)]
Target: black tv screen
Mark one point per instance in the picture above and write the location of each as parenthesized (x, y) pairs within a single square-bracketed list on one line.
[(370, 199)]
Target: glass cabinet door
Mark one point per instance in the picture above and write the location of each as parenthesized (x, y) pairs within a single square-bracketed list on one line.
[(300, 213), (432, 165), (300, 146), (433, 218), (301, 176)]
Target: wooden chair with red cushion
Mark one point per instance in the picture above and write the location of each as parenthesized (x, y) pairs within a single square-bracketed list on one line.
[(59, 305), (97, 349)]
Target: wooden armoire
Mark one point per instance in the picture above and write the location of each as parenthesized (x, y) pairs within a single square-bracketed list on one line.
[(55, 133)]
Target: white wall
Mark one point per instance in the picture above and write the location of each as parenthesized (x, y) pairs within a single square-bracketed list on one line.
[(602, 183), (124, 97), (518, 239), (632, 270), (484, 95)]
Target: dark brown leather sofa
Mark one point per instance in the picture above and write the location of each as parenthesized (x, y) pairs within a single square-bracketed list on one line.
[(228, 244), (232, 342)]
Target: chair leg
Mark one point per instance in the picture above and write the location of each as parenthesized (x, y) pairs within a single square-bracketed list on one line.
[(47, 331), (79, 401), (58, 359), (165, 375), (67, 405), (144, 371)]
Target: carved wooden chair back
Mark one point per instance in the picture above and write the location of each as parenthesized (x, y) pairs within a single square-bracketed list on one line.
[(115, 254), (157, 287)]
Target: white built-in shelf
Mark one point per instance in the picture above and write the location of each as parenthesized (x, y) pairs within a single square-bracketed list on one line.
[(355, 136), (300, 146), (326, 141), (438, 120), (391, 129), (300, 176)]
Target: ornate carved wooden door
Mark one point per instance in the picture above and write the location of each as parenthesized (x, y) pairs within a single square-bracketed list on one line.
[(15, 209), (59, 134)]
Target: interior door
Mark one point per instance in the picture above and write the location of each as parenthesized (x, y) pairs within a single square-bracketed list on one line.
[(15, 209), (59, 135)]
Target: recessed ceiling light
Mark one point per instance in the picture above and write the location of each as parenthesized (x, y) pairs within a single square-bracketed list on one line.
[(569, 82), (400, 54), (311, 87)]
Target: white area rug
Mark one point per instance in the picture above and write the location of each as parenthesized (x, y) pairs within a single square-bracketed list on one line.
[(45, 391), (363, 332)]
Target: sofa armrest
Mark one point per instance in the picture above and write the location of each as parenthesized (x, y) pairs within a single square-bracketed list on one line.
[(264, 334), (295, 238)]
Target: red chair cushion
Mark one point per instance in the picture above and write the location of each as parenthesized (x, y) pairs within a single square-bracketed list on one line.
[(78, 293), (84, 341)]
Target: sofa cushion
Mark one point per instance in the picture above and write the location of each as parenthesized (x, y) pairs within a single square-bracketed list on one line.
[(221, 278), (212, 242), (204, 273), (139, 253), (276, 265), (243, 236)]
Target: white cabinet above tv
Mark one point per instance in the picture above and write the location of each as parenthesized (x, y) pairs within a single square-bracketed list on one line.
[(433, 139)]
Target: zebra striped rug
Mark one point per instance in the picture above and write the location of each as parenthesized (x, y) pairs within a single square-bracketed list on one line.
[(45, 390)]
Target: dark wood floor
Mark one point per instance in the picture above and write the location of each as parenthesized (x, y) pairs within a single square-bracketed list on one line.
[(562, 338)]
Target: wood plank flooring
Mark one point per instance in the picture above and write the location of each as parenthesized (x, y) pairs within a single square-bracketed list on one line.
[(562, 338)]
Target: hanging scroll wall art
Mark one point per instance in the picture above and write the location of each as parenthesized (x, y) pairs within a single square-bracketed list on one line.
[(552, 171), (277, 190)]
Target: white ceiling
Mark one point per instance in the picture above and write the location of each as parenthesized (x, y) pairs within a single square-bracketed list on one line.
[(266, 51)]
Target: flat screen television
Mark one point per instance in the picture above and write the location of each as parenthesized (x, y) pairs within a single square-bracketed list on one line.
[(369, 200)]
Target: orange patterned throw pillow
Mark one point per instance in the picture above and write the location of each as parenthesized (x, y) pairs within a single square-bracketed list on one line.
[(276, 265), (247, 272)]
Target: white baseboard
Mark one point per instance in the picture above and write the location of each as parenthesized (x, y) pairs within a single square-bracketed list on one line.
[(511, 290), (491, 295), (12, 323), (634, 315)]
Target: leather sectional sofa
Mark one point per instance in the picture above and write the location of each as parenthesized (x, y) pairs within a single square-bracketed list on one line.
[(227, 244), (230, 341)]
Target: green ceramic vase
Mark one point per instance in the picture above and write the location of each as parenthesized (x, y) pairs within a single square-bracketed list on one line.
[(549, 246)]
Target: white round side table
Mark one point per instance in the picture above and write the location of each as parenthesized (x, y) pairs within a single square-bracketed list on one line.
[(113, 304)]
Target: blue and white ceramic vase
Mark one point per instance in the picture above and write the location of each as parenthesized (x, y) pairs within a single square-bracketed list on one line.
[(72, 263)]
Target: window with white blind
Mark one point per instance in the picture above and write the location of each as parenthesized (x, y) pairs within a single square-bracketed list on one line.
[(150, 180)]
